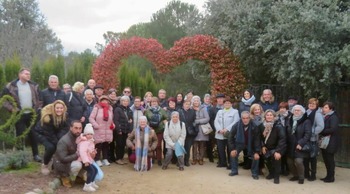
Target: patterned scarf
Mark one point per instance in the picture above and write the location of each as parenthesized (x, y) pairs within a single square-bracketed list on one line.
[(105, 107), (267, 130), (141, 153)]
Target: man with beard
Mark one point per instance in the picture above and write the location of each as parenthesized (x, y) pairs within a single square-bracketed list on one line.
[(65, 159)]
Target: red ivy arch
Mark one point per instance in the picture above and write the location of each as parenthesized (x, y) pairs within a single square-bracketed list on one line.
[(226, 76)]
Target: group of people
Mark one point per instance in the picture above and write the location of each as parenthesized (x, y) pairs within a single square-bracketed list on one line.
[(80, 126)]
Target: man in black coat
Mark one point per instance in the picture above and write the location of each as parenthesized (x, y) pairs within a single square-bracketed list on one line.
[(245, 135), (212, 114), (53, 92)]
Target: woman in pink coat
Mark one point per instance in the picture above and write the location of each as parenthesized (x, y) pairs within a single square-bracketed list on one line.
[(101, 119)]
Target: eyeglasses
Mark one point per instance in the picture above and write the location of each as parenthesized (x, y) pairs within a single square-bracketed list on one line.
[(126, 91)]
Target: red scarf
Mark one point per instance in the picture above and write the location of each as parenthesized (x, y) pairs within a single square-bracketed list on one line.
[(105, 107)]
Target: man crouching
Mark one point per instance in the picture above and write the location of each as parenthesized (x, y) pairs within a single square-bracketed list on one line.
[(65, 159), (244, 135)]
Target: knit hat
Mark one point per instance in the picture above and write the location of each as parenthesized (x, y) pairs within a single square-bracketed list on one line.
[(88, 129)]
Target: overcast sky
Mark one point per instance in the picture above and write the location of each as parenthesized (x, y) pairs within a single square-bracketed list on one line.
[(81, 23)]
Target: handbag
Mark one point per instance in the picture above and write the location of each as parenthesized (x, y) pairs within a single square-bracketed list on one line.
[(206, 129), (306, 147), (313, 149), (324, 141), (99, 175)]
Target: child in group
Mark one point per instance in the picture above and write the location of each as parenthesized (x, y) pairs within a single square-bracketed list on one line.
[(87, 152)]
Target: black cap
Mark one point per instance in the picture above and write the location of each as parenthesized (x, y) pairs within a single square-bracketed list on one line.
[(98, 86), (220, 96), (293, 98)]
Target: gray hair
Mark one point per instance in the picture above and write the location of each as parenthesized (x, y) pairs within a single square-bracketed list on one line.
[(175, 113), (88, 91), (143, 118), (299, 106), (53, 77), (125, 98), (206, 95), (196, 97), (245, 113)]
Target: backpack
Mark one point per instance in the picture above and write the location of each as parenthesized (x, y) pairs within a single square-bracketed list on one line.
[(155, 119)]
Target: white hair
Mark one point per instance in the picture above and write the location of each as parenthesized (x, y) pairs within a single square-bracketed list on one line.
[(299, 106)]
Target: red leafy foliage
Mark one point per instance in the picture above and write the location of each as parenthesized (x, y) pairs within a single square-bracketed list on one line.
[(226, 76)]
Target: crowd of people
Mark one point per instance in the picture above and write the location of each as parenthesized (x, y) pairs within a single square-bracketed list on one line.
[(79, 126)]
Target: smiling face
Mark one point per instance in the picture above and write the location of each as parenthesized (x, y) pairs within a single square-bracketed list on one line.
[(269, 117), (53, 83), (246, 95), (257, 111), (59, 109), (297, 111), (196, 102)]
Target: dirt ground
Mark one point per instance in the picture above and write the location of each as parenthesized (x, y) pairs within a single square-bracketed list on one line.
[(208, 179), (194, 179)]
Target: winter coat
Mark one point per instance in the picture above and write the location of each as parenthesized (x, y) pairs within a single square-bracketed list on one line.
[(102, 130), (317, 123), (225, 119), (277, 141), (89, 107), (12, 90), (188, 117), (121, 118), (301, 136), (164, 116), (65, 154), (152, 140), (269, 105), (85, 148), (174, 132), (48, 132), (331, 127), (202, 117), (50, 95), (212, 115), (76, 106), (237, 139)]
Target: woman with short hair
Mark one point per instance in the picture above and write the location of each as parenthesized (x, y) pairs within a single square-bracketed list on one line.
[(331, 128), (298, 136), (174, 136), (314, 114), (273, 141), (123, 119), (142, 141), (202, 117), (156, 117)]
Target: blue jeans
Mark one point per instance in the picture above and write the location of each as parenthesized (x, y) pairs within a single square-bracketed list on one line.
[(234, 163)]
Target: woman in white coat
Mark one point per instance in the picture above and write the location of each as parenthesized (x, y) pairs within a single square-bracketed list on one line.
[(174, 137), (224, 121)]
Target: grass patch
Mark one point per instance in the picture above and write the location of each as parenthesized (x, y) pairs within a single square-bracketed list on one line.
[(31, 167)]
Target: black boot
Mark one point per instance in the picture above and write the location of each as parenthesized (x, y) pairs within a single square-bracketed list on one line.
[(312, 177)]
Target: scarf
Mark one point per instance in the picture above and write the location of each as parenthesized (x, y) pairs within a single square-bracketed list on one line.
[(105, 107), (295, 122), (141, 152), (328, 114), (267, 130), (249, 101)]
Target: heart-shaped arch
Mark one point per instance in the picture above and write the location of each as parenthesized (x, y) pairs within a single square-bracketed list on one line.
[(225, 72)]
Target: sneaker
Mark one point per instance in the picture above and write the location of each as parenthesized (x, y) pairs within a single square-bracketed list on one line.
[(105, 162), (89, 188), (99, 163), (37, 158), (45, 169), (120, 162), (94, 185)]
